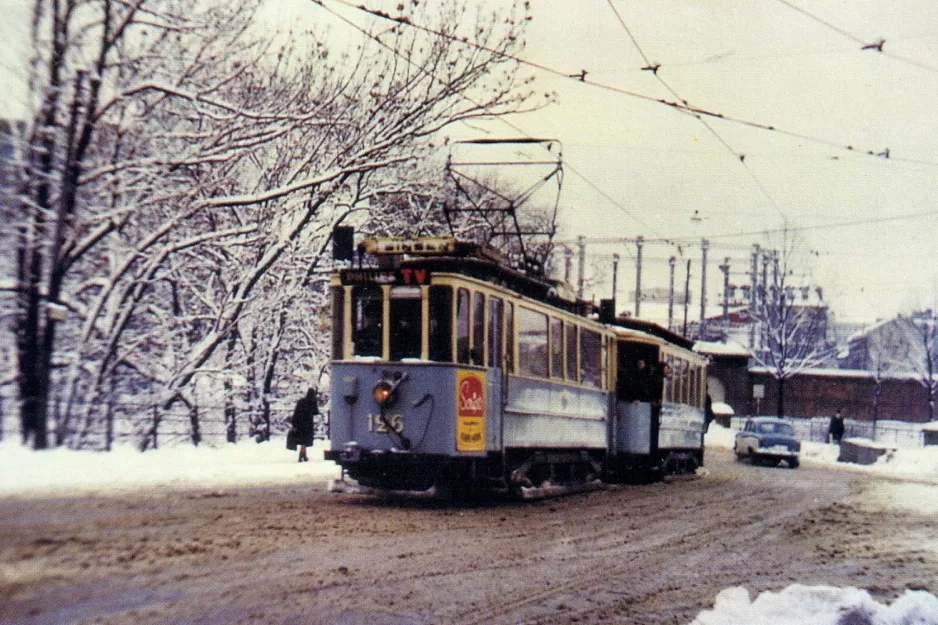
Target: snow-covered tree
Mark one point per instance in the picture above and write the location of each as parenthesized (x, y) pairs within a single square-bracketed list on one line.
[(182, 173), (925, 360), (792, 328)]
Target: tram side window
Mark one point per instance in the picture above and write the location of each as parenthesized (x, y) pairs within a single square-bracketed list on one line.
[(477, 353), (532, 343), (462, 326), (510, 343), (590, 358), (556, 348), (441, 323), (405, 322), (338, 322), (572, 351), (496, 332), (694, 385), (367, 320)]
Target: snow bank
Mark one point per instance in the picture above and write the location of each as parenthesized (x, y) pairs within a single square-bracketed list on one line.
[(818, 605), (27, 472), (920, 463)]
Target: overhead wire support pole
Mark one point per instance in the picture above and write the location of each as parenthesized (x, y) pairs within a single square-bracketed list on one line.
[(581, 265), (725, 268), (686, 296), (704, 244), (638, 274), (753, 293), (671, 263)]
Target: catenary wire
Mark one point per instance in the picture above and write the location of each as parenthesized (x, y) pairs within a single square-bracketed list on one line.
[(676, 105)]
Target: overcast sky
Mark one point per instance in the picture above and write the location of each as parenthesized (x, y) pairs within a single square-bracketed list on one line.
[(637, 167)]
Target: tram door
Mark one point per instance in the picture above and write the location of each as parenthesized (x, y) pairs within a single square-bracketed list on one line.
[(636, 425)]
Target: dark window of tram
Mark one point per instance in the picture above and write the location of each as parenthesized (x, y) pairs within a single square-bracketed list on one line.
[(590, 357), (532, 343), (496, 332), (404, 317), (367, 320), (572, 351), (441, 323), (632, 384), (556, 348), (462, 326), (338, 322), (478, 329)]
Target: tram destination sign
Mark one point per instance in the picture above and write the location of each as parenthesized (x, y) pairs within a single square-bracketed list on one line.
[(396, 277)]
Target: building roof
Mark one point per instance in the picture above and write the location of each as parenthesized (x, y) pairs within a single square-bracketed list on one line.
[(730, 348)]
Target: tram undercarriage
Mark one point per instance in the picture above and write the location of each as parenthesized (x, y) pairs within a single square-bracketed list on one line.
[(524, 474)]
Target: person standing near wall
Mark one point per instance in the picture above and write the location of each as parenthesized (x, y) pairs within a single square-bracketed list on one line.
[(835, 431)]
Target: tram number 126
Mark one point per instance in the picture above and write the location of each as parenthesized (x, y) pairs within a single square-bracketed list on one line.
[(377, 424)]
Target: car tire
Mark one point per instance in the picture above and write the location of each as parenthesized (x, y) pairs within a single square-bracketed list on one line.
[(793, 463)]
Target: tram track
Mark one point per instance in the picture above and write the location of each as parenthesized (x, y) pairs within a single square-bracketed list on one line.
[(649, 554)]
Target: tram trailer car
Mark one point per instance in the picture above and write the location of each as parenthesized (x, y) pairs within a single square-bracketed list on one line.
[(453, 372)]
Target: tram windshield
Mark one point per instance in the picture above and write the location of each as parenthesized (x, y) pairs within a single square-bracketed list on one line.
[(405, 316), (367, 320)]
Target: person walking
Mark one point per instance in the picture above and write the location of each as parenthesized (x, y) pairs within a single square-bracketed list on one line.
[(835, 431), (304, 416)]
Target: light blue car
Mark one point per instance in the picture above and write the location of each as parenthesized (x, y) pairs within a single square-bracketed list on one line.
[(768, 440)]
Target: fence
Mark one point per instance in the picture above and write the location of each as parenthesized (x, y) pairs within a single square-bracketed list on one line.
[(896, 433), (148, 426)]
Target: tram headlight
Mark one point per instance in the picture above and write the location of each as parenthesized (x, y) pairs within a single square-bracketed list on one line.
[(383, 393)]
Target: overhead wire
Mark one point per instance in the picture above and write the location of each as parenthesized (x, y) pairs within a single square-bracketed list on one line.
[(582, 78), (865, 45), (736, 154), (515, 127), (680, 242), (830, 226)]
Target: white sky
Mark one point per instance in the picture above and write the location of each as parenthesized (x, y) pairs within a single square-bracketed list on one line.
[(66, 473), (762, 61)]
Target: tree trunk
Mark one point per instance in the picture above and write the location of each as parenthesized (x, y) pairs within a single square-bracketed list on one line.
[(231, 430), (780, 398)]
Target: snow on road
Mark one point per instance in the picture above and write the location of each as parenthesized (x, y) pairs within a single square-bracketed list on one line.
[(62, 472)]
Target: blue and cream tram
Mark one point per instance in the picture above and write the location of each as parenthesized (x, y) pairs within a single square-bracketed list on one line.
[(453, 371)]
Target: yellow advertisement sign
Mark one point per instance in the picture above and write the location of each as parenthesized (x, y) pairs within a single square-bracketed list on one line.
[(470, 410)]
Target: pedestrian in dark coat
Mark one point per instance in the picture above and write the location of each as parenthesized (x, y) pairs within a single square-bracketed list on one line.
[(835, 431), (708, 413), (303, 417)]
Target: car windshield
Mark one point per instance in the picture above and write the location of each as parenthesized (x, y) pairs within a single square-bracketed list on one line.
[(776, 428)]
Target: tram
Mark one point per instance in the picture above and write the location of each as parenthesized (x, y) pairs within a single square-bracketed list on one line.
[(452, 371)]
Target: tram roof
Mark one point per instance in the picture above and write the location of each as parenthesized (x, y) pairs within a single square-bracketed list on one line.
[(653, 329), (447, 255)]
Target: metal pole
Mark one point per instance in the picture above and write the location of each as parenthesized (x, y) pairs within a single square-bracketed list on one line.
[(753, 298), (581, 268), (567, 263), (615, 281), (671, 262), (704, 244), (638, 274), (725, 268), (686, 296)]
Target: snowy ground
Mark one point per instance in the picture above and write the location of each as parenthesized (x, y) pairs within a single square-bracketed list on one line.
[(62, 472)]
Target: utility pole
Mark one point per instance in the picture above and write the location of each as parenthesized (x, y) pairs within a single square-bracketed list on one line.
[(671, 262), (686, 296), (581, 266), (753, 297), (638, 273), (615, 281), (725, 268), (704, 244)]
